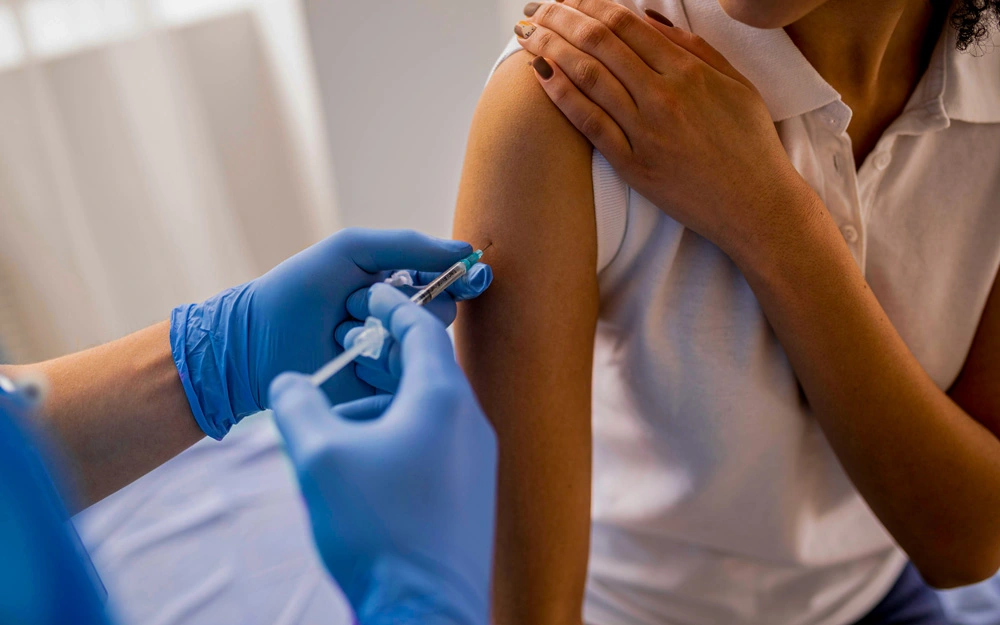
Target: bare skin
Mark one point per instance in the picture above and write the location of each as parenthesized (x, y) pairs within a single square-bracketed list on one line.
[(118, 410), (873, 54), (901, 430), (526, 187)]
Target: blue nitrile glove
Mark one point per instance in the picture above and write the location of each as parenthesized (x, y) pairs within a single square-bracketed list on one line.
[(229, 348), (383, 374), (400, 489)]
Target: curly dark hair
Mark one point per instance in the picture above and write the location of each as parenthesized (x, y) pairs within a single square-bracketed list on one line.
[(974, 19)]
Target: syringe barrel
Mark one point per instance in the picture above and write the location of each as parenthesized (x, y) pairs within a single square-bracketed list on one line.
[(439, 284)]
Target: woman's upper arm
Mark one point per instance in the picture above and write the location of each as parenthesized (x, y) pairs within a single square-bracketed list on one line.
[(527, 344), (977, 389)]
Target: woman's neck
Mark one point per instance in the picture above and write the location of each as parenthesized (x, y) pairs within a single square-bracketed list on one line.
[(857, 44), (872, 53)]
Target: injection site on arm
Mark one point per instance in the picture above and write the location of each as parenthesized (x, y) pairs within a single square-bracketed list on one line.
[(526, 187)]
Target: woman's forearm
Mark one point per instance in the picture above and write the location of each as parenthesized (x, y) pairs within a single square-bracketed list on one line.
[(119, 410), (927, 469)]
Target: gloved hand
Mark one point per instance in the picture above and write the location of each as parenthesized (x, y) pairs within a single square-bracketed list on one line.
[(400, 489), (383, 373), (229, 348)]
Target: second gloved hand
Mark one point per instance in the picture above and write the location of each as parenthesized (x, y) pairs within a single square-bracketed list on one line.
[(229, 348), (401, 489)]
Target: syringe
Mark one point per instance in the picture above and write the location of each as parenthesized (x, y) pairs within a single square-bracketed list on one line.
[(369, 342)]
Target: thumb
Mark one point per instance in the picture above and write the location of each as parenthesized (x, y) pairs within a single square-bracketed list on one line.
[(425, 348), (383, 250), (302, 414)]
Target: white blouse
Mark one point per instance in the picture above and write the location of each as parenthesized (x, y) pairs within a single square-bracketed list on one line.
[(716, 497)]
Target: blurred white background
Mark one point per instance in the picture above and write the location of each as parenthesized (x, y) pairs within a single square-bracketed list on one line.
[(153, 152)]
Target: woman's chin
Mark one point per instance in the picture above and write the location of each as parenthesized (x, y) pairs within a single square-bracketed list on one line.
[(768, 13)]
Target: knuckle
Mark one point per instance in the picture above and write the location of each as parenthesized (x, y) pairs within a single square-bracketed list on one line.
[(543, 39), (592, 36), (591, 125), (544, 12), (558, 91), (699, 45), (619, 19), (587, 74), (691, 69), (696, 40)]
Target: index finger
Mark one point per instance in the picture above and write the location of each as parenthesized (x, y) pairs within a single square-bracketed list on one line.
[(383, 250), (656, 51), (648, 43)]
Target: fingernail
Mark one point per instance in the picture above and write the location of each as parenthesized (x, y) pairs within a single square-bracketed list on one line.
[(524, 29), (531, 7), (659, 17), (542, 67)]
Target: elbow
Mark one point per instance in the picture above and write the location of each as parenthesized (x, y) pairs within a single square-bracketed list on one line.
[(961, 567)]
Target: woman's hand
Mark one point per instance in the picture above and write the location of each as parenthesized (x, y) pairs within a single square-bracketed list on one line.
[(671, 115)]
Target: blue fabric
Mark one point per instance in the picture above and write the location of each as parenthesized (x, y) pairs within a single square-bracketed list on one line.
[(44, 580), (978, 604), (910, 602), (229, 348), (400, 489)]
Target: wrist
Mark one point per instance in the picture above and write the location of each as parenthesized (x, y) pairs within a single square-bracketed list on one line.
[(787, 221), (208, 343)]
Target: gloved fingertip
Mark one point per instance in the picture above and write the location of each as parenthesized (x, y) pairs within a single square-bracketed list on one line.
[(459, 247), (292, 393), (343, 331), (351, 336), (287, 382), (480, 277), (357, 304)]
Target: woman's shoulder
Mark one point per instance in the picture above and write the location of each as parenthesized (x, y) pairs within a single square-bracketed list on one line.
[(519, 118)]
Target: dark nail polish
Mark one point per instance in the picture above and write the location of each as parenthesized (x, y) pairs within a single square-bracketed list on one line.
[(542, 67), (659, 17), (524, 29), (531, 7)]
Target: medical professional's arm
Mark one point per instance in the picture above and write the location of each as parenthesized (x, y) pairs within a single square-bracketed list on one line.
[(118, 409), (527, 344), (124, 408)]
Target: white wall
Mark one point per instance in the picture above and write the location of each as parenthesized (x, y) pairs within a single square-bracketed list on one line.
[(399, 81), (152, 152)]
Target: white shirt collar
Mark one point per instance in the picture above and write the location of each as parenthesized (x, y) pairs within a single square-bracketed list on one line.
[(957, 85), (971, 91)]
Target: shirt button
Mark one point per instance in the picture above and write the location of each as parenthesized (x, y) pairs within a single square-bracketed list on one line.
[(882, 161), (850, 234)]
